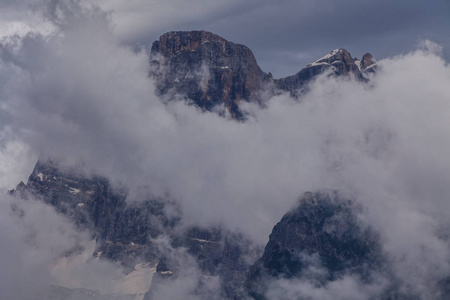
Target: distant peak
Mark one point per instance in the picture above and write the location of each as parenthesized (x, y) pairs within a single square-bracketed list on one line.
[(335, 55), (368, 62)]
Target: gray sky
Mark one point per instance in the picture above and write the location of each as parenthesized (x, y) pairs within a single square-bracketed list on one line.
[(288, 34), (284, 35), (83, 96)]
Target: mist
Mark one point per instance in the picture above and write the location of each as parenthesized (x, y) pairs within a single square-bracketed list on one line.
[(79, 95)]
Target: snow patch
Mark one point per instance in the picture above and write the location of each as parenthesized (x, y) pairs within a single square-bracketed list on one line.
[(40, 176), (203, 241), (370, 67), (80, 204), (332, 53), (167, 272), (335, 51), (318, 64), (323, 60), (74, 191)]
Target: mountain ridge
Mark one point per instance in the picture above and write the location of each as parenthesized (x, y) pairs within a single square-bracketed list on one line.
[(212, 71)]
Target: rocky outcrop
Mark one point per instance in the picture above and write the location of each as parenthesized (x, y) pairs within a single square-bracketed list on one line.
[(322, 232), (216, 74), (207, 69), (338, 61), (123, 231), (222, 257), (126, 231), (368, 63)]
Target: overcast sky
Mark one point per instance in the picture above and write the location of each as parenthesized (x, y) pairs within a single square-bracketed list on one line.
[(84, 96), (284, 35)]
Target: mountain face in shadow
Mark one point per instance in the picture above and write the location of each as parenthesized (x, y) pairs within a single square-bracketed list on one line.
[(216, 74)]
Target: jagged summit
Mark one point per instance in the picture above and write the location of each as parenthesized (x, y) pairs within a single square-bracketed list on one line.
[(368, 63), (335, 56), (213, 72), (339, 59)]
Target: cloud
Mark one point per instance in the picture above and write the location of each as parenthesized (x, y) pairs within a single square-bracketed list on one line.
[(83, 96), (42, 253), (16, 159), (32, 236), (348, 287), (306, 28)]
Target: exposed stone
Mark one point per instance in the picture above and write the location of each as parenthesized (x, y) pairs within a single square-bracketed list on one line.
[(367, 60), (216, 74), (125, 231), (207, 69), (339, 61), (322, 231)]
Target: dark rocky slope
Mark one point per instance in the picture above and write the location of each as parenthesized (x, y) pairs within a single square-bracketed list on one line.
[(126, 231), (323, 231), (207, 69), (339, 61), (211, 71)]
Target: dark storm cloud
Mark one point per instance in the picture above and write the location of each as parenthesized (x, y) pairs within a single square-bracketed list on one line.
[(284, 35), (287, 35)]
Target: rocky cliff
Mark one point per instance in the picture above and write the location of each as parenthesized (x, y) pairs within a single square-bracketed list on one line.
[(216, 74), (338, 61), (207, 69), (321, 232), (126, 231)]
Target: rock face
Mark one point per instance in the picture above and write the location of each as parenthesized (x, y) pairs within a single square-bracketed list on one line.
[(123, 231), (127, 232), (339, 61), (211, 71), (368, 63), (207, 69), (322, 232)]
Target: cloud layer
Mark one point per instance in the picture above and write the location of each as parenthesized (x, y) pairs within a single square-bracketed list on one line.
[(82, 96), (284, 36)]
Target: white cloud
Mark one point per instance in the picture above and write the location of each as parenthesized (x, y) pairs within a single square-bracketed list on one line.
[(84, 97)]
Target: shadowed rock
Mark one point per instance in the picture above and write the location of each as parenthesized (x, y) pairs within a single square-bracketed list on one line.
[(322, 232), (207, 69), (218, 75)]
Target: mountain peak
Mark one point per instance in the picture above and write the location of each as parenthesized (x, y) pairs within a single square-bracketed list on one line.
[(207, 69), (173, 42), (335, 55), (216, 74), (368, 63), (339, 60)]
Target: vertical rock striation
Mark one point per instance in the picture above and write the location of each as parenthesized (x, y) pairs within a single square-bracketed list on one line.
[(207, 69)]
